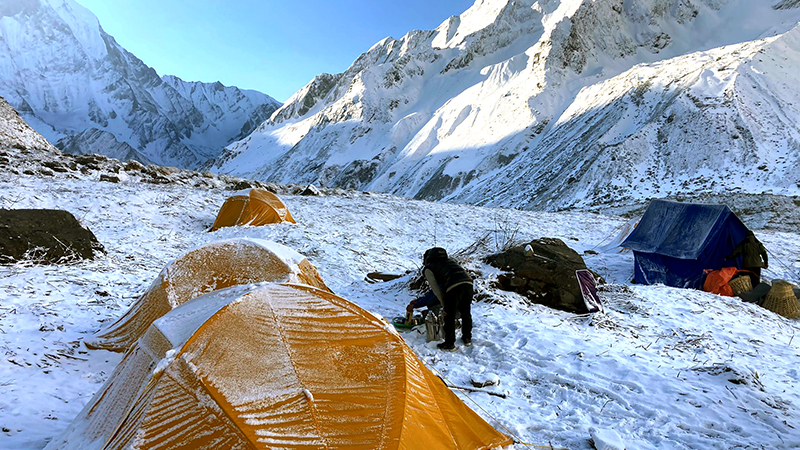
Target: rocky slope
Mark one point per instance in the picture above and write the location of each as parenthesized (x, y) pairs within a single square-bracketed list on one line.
[(16, 133), (553, 104), (79, 88)]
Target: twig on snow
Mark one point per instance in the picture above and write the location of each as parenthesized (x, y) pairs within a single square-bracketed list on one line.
[(729, 390)]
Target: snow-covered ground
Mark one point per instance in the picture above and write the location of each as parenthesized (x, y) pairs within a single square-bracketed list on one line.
[(664, 368)]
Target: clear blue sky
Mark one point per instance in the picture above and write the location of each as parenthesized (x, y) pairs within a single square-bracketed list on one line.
[(274, 46)]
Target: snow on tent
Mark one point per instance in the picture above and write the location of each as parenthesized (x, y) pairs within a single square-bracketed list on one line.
[(274, 366), (674, 242), (254, 207), (208, 268), (624, 231)]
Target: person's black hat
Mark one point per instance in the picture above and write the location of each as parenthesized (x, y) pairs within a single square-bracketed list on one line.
[(434, 254)]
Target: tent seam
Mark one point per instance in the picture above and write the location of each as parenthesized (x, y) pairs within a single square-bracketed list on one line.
[(388, 404), (299, 379), (205, 388), (438, 407)]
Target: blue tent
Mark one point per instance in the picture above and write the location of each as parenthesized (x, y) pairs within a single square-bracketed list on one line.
[(674, 242)]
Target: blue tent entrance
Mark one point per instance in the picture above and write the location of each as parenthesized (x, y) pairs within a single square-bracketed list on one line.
[(674, 242)]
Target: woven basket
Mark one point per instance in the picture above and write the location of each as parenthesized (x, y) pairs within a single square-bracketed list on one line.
[(741, 284), (781, 300)]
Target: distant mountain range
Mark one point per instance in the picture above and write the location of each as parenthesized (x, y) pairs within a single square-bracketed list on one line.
[(79, 88), (553, 104)]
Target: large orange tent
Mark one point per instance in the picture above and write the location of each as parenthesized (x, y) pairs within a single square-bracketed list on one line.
[(274, 366), (254, 207), (205, 269)]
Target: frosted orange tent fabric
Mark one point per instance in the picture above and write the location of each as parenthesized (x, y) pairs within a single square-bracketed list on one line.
[(274, 366), (214, 266), (254, 207)]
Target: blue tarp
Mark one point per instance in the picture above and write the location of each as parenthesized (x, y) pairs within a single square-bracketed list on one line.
[(674, 242)]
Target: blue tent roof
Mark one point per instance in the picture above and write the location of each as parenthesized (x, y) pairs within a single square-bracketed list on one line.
[(679, 230), (674, 242)]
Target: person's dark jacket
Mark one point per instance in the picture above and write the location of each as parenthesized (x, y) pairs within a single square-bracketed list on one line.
[(443, 273), (752, 251)]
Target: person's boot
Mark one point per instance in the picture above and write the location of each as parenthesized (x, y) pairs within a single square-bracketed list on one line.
[(448, 347)]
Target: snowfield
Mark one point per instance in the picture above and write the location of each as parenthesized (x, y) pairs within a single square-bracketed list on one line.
[(664, 368)]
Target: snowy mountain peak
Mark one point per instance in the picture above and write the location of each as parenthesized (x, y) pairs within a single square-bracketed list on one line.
[(74, 83), (549, 104)]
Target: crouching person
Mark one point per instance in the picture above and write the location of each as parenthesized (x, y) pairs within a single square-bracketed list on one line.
[(452, 285), (428, 300)]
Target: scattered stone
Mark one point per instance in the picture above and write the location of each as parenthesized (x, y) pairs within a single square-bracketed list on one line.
[(311, 190), (160, 171), (45, 236), (109, 178), (55, 166), (484, 380), (92, 159), (544, 272), (156, 179), (133, 166), (242, 185)]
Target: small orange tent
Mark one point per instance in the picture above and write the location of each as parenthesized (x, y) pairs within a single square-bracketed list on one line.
[(208, 268), (274, 366), (254, 207)]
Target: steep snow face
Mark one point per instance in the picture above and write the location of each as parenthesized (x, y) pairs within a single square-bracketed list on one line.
[(74, 83), (14, 132), (552, 104), (94, 141)]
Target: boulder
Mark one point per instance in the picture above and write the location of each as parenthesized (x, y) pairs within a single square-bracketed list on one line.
[(311, 190), (44, 236), (542, 270)]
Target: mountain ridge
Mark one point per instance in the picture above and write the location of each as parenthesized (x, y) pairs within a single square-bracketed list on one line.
[(471, 111), (67, 76)]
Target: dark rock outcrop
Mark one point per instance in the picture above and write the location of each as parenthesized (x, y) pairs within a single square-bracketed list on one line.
[(543, 271), (311, 190), (46, 236)]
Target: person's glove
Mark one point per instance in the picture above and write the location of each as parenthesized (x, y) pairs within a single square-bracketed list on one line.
[(410, 306), (766, 266)]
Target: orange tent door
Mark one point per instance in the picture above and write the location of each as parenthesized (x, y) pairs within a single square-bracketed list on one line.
[(231, 212)]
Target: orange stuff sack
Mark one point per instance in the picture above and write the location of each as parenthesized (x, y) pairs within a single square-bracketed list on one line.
[(717, 281)]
